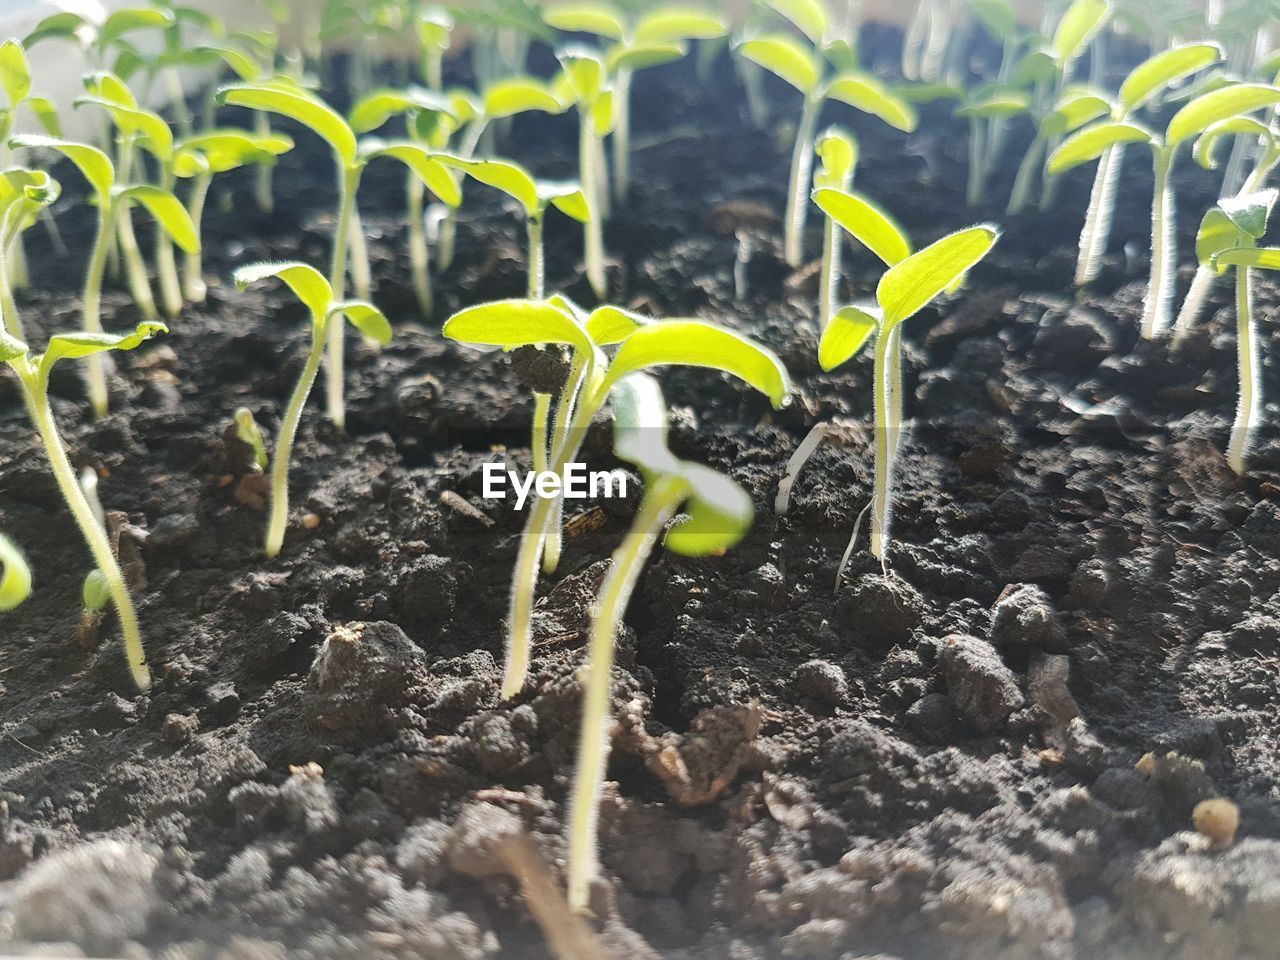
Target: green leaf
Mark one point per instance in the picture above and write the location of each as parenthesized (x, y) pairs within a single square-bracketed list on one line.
[(866, 222), (365, 317), (1265, 258), (1203, 150), (299, 105), (95, 594), (610, 325), (240, 63), (596, 18), (108, 86), (1216, 233), (249, 434), (128, 21), (375, 109), (869, 95), (1073, 110), (584, 72), (1207, 109), (567, 197), (511, 178), (59, 26), (422, 162), (1091, 142), (640, 425), (785, 57), (1250, 211), (674, 24), (506, 98), (516, 323), (95, 165), (1077, 27), (15, 72), (1037, 66), (695, 343), (923, 92), (222, 150), (643, 56), (46, 113), (845, 335), (169, 212), (996, 15), (718, 514), (15, 576), (807, 15), (153, 132), (838, 151), (907, 286), (602, 113), (1002, 102), (307, 283), (1164, 69), (11, 348), (75, 346)]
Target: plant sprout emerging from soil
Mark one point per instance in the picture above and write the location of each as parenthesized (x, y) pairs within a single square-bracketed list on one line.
[(290, 100), (317, 295), (112, 201), (1195, 117), (1228, 238), (15, 576), (718, 514), (641, 344), (248, 432), (838, 153), (910, 283), (805, 68), (33, 372), (655, 37)]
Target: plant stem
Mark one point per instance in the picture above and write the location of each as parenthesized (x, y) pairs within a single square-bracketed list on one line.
[(798, 187), (94, 534), (593, 229), (263, 177), (9, 306), (1192, 305), (656, 509), (419, 251), (19, 275), (977, 162), (1024, 180), (91, 316), (536, 291), (1250, 380), (348, 181), (447, 244), (622, 135), (886, 439), (195, 288), (279, 521), (1097, 221), (361, 274), (524, 585), (1155, 311), (537, 261), (167, 273), (541, 412), (560, 442), (829, 278)]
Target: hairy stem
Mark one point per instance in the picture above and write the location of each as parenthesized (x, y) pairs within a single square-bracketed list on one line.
[(537, 262), (977, 163), (657, 508), (1155, 309), (1097, 221), (593, 229), (91, 315), (1250, 400), (1024, 180), (798, 187), (541, 413), (1193, 305), (447, 243), (622, 135), (887, 387), (195, 288), (262, 188), (284, 444), (419, 250), (561, 440), (348, 182), (829, 278)]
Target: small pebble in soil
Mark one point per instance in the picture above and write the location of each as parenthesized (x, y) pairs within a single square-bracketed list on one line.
[(822, 681), (1024, 617), (983, 691)]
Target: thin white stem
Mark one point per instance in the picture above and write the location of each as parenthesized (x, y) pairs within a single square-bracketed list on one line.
[(798, 188), (622, 135), (361, 273), (977, 163), (194, 286), (348, 182), (279, 520), (593, 229), (1156, 307), (1193, 305), (1097, 222), (1250, 401), (263, 175), (419, 250), (91, 315), (807, 448)]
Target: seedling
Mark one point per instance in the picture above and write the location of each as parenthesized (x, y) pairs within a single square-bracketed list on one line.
[(317, 294), (33, 372), (984, 107), (94, 40), (1228, 237), (24, 194), (719, 513), (1195, 117), (15, 576), (434, 29), (910, 283), (806, 69), (641, 344), (838, 152), (112, 200), (655, 37), (351, 156), (249, 433)]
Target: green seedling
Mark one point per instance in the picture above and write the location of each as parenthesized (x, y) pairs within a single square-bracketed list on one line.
[(838, 153), (718, 514), (433, 27), (1241, 129), (247, 431), (351, 156), (1193, 119), (15, 576), (910, 283), (805, 67), (202, 157), (112, 201), (642, 344), (502, 32), (1228, 237), (649, 39), (95, 594), (317, 294), (24, 195), (99, 41), (33, 376), (983, 107)]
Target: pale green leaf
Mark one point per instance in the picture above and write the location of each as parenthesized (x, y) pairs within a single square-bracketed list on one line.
[(1073, 110), (506, 98), (1207, 109), (808, 16), (130, 20), (221, 150), (602, 113), (1207, 142), (638, 56), (1216, 233), (909, 285), (169, 212), (11, 348), (996, 15), (307, 283), (1250, 211), (151, 129), (1264, 258), (640, 425), (567, 197), (375, 109), (15, 576), (868, 94), (610, 325), (673, 24), (866, 222), (1077, 27), (15, 72), (59, 26), (299, 105), (1166, 68), (838, 151), (108, 86), (600, 19), (511, 178), (422, 162), (240, 63), (75, 346), (95, 165), (516, 323), (718, 514), (366, 318), (584, 72), (785, 57), (849, 329), (1003, 102), (1091, 142), (46, 113)]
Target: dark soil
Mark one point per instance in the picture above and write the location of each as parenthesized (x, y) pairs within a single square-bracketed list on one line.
[(940, 762)]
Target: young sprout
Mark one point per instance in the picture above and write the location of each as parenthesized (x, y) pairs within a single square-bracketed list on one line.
[(910, 283), (838, 152), (24, 194), (1229, 237), (805, 68), (983, 107), (434, 29), (97, 41), (641, 344), (718, 514), (351, 156), (316, 293), (33, 372), (247, 431), (95, 594), (657, 36), (200, 158), (112, 201), (15, 576), (1195, 117)]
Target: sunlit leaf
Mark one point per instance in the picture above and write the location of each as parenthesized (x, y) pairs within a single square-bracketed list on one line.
[(785, 57), (15, 576), (1207, 109), (95, 165), (422, 162), (75, 346), (1216, 233), (808, 16), (1077, 27), (511, 178), (1165, 68), (907, 286), (717, 515), (366, 318), (299, 105), (1250, 211), (307, 283), (516, 323), (596, 18), (1205, 144), (1264, 258), (838, 152), (868, 94), (1091, 142), (15, 72), (865, 222), (674, 24), (506, 98), (610, 325), (849, 329), (169, 212)]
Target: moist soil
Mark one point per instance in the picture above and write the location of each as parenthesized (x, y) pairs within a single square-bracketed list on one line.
[(991, 748)]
